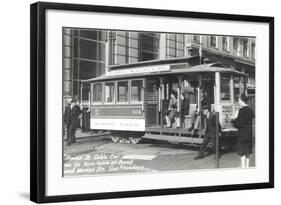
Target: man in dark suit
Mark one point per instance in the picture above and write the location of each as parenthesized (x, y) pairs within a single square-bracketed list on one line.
[(209, 141), (67, 118), (74, 121)]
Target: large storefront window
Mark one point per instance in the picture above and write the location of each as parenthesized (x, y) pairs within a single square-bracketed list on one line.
[(109, 92), (136, 88), (97, 93), (122, 88), (88, 55)]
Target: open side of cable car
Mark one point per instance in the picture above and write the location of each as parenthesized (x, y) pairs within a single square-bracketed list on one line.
[(131, 102)]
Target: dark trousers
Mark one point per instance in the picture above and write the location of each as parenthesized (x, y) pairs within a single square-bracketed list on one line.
[(71, 133), (67, 131), (205, 145)]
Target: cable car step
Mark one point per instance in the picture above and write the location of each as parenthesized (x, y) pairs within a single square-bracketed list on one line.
[(173, 138)]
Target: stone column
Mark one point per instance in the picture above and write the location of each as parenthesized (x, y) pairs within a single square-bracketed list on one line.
[(162, 46)]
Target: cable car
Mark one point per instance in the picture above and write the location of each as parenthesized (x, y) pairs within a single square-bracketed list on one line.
[(130, 101)]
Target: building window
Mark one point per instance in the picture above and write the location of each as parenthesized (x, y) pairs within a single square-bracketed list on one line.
[(97, 93), (133, 47), (136, 91), (245, 48), (126, 48), (225, 43), (122, 89), (88, 55), (109, 92), (148, 46), (196, 38), (236, 47), (213, 41), (253, 53), (122, 47), (175, 45), (180, 45)]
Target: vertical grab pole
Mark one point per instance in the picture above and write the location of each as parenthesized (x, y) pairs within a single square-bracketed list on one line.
[(179, 101), (81, 91), (159, 99), (142, 96), (199, 104), (218, 90), (217, 140), (89, 101), (160, 104)]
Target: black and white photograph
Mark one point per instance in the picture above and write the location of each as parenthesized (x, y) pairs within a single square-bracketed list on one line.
[(140, 102), (137, 102), (130, 102)]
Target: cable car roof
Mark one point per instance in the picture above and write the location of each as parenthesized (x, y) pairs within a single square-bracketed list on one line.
[(184, 69)]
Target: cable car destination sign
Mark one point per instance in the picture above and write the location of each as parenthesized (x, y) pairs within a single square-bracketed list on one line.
[(146, 69)]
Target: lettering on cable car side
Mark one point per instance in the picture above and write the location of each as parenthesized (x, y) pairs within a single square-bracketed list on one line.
[(117, 111), (118, 124)]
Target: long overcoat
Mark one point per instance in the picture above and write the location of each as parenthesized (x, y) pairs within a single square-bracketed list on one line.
[(75, 113), (243, 123)]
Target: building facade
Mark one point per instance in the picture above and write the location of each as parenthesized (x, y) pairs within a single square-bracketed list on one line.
[(235, 52), (92, 53), (84, 56)]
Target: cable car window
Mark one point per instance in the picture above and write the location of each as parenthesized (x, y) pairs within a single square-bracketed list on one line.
[(208, 82), (152, 90), (189, 87), (236, 85), (136, 88), (85, 92), (225, 87), (97, 92), (122, 88), (109, 92)]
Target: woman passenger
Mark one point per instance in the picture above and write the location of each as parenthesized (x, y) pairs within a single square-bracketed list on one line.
[(243, 123)]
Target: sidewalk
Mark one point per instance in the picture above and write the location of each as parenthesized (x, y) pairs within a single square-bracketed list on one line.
[(83, 142), (85, 135)]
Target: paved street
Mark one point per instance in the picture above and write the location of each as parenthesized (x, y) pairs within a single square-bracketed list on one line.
[(99, 155)]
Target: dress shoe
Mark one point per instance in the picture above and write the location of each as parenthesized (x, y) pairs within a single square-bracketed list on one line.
[(198, 157)]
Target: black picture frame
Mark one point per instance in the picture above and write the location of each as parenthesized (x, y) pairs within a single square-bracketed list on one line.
[(38, 103)]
